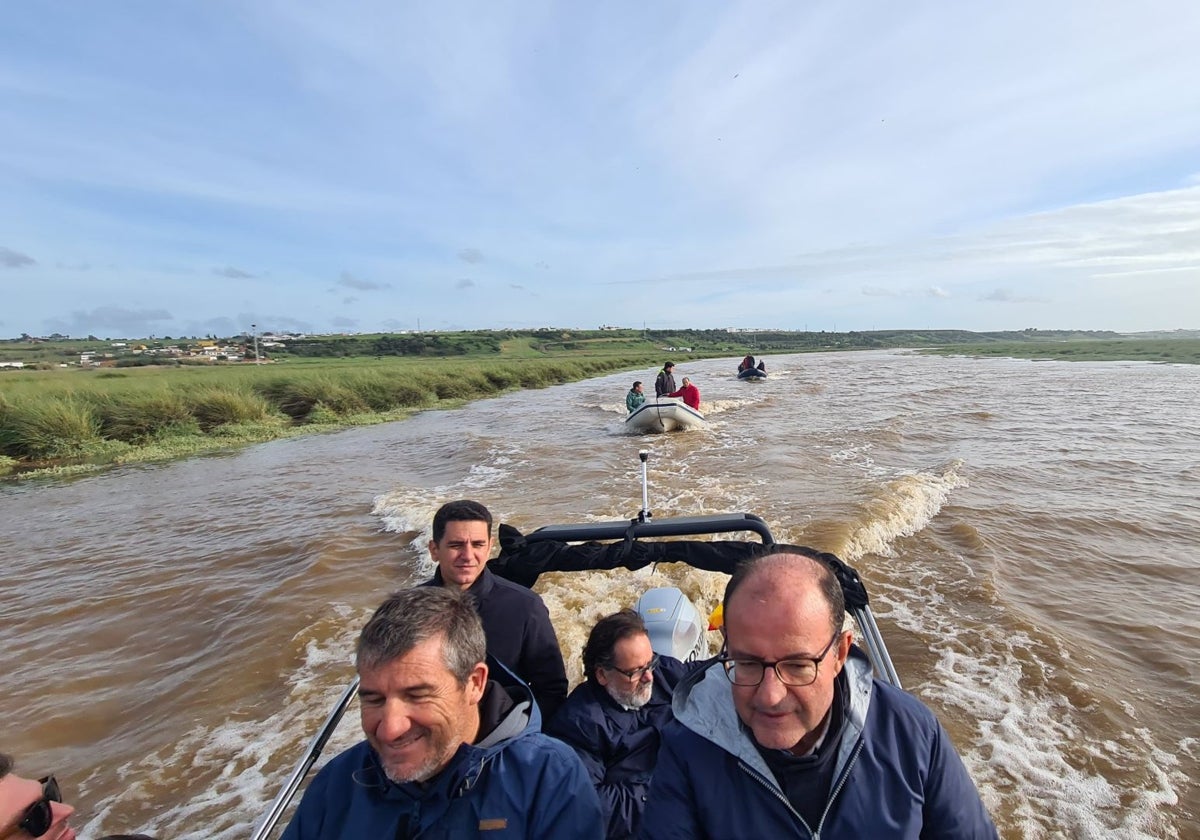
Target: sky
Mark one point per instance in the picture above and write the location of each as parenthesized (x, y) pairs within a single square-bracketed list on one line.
[(216, 166)]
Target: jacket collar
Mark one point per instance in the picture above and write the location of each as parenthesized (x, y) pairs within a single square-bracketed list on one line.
[(481, 588)]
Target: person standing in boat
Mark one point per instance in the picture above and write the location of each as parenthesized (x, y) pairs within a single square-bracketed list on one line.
[(613, 720), (453, 744), (690, 394), (790, 734), (665, 383), (634, 398), (515, 619)]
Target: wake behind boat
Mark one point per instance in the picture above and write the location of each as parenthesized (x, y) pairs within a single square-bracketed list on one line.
[(664, 414)]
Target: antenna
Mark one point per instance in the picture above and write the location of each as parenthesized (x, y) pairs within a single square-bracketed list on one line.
[(644, 513)]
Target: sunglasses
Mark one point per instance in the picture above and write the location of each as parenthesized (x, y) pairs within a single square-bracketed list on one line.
[(38, 817)]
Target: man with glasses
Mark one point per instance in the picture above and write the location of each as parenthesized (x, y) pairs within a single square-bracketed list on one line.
[(31, 809), (789, 735), (614, 718)]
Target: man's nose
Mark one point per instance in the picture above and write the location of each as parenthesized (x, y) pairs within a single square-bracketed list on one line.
[(59, 812), (394, 722), (771, 690)]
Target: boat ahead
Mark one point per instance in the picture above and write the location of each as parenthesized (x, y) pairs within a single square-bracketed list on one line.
[(752, 375), (673, 623), (664, 414)]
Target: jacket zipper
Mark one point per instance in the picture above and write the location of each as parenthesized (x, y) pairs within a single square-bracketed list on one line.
[(778, 794), (838, 788)]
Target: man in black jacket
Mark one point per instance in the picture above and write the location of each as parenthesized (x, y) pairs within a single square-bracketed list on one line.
[(613, 719), (515, 619), (665, 383)]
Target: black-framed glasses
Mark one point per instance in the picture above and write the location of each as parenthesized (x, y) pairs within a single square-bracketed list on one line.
[(636, 673), (794, 672), (38, 817)]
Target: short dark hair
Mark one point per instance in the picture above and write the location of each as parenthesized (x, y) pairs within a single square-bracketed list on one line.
[(464, 510), (6, 765), (830, 587), (669, 364), (635, 384), (412, 616), (598, 652)]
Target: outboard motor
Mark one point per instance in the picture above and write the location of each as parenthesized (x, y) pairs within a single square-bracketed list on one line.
[(673, 624)]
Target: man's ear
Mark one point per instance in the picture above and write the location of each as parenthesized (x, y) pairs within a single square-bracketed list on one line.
[(477, 682)]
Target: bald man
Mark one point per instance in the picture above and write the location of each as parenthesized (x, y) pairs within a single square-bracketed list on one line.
[(790, 735)]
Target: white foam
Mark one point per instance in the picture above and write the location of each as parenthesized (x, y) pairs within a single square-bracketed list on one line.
[(901, 508)]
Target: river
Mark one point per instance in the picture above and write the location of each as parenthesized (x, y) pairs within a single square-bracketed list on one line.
[(172, 635)]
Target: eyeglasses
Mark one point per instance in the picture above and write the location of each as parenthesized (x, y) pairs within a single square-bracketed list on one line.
[(38, 817), (636, 673), (794, 672)]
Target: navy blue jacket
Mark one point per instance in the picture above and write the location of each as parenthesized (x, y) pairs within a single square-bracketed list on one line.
[(618, 746), (520, 635), (516, 782), (897, 774)]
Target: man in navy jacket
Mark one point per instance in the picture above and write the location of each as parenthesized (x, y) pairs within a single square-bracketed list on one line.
[(614, 719), (515, 619), (789, 735), (450, 752)]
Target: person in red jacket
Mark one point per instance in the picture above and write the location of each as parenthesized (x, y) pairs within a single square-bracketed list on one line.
[(689, 392)]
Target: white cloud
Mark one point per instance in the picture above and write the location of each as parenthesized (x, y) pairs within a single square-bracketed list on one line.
[(860, 166)]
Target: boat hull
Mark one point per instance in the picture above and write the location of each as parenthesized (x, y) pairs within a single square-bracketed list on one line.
[(752, 375), (664, 415)]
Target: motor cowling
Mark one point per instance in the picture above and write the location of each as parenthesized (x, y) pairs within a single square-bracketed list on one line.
[(673, 623)]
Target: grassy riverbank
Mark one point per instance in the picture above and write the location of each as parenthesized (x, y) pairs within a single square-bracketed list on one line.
[(70, 421)]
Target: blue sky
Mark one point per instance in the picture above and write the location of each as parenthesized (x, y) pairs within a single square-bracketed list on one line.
[(189, 168)]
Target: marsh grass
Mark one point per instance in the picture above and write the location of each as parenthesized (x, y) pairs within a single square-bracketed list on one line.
[(70, 421), (216, 406), (56, 427)]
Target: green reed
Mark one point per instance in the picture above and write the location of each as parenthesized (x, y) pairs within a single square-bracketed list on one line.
[(67, 420)]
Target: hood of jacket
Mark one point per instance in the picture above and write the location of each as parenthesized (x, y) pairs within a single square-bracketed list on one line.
[(703, 702)]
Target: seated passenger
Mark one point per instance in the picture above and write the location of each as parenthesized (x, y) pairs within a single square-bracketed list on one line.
[(515, 619), (762, 366), (690, 394), (634, 398), (451, 750), (613, 718), (746, 363)]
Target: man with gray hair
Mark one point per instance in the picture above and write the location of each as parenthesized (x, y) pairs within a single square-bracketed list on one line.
[(789, 735), (453, 747)]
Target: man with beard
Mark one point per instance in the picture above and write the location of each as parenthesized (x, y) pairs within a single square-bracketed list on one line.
[(613, 719), (450, 752)]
